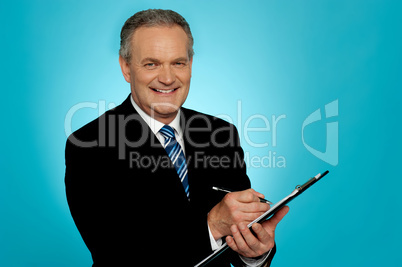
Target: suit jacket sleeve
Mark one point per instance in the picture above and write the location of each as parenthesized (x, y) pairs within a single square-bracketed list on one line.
[(85, 190), (96, 199)]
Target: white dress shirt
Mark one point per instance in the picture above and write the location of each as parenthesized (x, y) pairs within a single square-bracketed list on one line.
[(155, 126)]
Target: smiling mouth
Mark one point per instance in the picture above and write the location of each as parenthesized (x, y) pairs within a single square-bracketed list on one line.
[(164, 91)]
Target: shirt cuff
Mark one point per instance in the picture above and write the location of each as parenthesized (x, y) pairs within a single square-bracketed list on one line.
[(253, 262), (215, 244)]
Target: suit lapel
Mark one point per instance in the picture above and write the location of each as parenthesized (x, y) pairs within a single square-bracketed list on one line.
[(196, 142)]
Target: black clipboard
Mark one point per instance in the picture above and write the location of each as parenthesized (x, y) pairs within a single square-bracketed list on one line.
[(296, 192)]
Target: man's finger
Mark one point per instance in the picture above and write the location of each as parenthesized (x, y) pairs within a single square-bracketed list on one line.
[(271, 224), (246, 196), (232, 244), (253, 207), (247, 217), (261, 233), (263, 236), (241, 244), (252, 242), (258, 194), (241, 196)]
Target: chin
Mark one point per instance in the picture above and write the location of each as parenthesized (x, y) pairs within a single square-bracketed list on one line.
[(165, 107), (167, 111)]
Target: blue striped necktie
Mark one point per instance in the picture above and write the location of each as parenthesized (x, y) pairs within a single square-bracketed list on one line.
[(176, 154)]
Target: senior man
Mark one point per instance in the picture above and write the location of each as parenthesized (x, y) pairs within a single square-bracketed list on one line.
[(139, 178)]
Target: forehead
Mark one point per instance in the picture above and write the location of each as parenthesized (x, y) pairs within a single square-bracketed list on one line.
[(160, 42)]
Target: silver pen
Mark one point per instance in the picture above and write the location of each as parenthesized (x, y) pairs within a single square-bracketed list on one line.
[(222, 189)]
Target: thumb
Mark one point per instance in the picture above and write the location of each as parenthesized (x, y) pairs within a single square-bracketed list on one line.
[(276, 218)]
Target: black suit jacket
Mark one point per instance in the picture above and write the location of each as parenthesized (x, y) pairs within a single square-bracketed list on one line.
[(126, 199)]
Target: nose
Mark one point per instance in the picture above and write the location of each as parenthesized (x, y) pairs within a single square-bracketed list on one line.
[(167, 75)]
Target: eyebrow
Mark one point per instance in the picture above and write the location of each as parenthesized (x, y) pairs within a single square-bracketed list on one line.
[(150, 59), (181, 59), (154, 60)]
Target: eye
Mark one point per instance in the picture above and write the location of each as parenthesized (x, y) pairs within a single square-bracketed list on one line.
[(150, 66), (180, 64)]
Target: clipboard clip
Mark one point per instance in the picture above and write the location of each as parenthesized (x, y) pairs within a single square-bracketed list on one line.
[(305, 185), (310, 182)]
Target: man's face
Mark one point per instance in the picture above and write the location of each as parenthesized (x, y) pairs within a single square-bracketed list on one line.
[(159, 71)]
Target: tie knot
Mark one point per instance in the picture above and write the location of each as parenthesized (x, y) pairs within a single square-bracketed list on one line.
[(167, 132)]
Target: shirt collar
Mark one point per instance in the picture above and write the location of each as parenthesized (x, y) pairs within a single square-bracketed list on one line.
[(156, 125)]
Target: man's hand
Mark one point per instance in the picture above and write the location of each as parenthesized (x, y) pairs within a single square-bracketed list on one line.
[(234, 212), (248, 245), (237, 207)]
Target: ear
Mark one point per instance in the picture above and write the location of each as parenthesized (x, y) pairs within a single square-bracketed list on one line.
[(125, 69), (191, 65)]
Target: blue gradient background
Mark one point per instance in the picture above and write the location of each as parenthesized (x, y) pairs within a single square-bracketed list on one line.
[(275, 57)]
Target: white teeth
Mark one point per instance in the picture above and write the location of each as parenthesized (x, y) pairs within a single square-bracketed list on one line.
[(164, 91)]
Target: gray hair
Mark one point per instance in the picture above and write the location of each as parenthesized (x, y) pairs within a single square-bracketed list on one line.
[(152, 18)]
